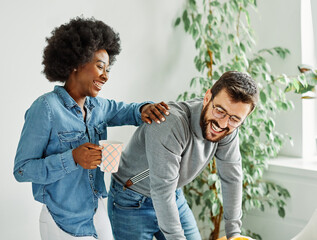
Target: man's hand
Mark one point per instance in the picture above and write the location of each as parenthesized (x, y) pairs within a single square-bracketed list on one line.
[(154, 112), (87, 155)]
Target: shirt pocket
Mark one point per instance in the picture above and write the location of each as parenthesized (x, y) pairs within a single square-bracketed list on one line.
[(101, 131), (71, 140)]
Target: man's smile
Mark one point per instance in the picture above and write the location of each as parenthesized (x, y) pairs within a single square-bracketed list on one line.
[(215, 128)]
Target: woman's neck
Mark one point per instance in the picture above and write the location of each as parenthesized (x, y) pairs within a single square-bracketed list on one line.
[(80, 100)]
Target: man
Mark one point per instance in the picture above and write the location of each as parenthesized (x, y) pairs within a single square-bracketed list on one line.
[(175, 152)]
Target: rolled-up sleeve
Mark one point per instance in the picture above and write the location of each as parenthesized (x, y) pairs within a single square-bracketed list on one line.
[(120, 113), (30, 165)]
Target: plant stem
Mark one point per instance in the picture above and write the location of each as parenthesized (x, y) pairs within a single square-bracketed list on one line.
[(196, 191), (216, 220), (210, 52)]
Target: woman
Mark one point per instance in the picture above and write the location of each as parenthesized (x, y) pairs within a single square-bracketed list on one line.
[(58, 149)]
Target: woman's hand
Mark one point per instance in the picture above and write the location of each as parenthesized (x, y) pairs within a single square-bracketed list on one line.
[(154, 112), (87, 155)]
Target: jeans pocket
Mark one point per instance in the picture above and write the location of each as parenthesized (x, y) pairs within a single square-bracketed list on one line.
[(126, 202)]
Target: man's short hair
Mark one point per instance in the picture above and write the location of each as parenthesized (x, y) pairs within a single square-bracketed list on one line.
[(239, 86)]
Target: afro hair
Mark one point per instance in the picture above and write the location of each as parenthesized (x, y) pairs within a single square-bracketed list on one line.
[(73, 44)]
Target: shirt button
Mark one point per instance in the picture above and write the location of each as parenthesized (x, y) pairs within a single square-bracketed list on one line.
[(95, 191), (90, 175), (78, 111)]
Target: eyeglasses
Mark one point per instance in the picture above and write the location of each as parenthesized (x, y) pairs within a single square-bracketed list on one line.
[(220, 113)]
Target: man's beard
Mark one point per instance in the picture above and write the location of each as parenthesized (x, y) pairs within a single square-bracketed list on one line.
[(204, 122)]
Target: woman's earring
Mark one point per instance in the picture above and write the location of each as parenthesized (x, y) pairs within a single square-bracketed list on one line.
[(75, 70)]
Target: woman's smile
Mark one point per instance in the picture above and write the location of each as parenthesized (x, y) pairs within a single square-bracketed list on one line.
[(98, 84)]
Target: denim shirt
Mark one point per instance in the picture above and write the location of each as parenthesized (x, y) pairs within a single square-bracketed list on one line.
[(54, 126)]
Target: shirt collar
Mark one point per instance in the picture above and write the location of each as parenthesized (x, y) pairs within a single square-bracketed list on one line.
[(195, 121), (89, 104), (195, 107), (69, 102)]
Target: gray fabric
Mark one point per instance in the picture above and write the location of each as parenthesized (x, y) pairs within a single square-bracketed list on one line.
[(176, 152)]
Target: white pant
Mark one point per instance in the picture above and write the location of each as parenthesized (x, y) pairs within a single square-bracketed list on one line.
[(50, 231)]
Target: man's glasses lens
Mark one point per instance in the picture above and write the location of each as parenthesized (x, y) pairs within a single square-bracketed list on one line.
[(220, 113)]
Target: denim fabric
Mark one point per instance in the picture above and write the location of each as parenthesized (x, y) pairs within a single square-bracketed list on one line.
[(50, 231), (133, 217), (54, 125)]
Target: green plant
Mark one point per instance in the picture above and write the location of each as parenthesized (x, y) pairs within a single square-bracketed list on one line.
[(224, 41), (305, 82)]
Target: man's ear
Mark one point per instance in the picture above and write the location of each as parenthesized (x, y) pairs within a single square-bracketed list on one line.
[(207, 97)]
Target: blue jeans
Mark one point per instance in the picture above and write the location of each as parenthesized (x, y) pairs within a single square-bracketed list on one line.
[(133, 217)]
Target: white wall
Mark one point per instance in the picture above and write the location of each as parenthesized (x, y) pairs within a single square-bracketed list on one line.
[(309, 56), (277, 23), (156, 63), (314, 17), (280, 25), (301, 182)]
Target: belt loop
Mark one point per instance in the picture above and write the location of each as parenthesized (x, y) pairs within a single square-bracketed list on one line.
[(143, 199)]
